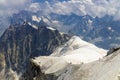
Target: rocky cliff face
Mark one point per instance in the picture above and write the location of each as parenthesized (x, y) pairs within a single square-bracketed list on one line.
[(19, 43)]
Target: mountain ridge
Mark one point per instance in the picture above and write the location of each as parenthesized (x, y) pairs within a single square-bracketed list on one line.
[(19, 43), (98, 31)]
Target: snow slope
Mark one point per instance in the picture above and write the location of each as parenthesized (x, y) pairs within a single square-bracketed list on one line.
[(75, 51), (105, 69), (51, 28)]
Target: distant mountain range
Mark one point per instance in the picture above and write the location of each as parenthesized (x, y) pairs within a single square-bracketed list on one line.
[(32, 35), (103, 32)]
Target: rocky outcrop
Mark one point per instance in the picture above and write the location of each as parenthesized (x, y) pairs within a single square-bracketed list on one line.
[(19, 43), (2, 62), (112, 50), (36, 72)]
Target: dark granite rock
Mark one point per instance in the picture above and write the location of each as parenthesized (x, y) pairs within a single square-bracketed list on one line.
[(19, 43)]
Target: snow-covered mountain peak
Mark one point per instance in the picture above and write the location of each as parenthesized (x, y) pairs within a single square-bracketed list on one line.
[(74, 52), (41, 18), (36, 27), (76, 43)]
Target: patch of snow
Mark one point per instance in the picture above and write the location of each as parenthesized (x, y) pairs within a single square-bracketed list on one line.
[(110, 37), (51, 28), (61, 33), (45, 19), (34, 18), (84, 30), (35, 27), (55, 21), (29, 23), (109, 28), (90, 21)]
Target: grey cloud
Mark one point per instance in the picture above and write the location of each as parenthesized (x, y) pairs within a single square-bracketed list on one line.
[(79, 7), (82, 7), (8, 8)]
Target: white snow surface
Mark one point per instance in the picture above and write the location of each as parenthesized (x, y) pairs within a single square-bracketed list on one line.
[(46, 19), (107, 68), (75, 51), (35, 27), (38, 19), (51, 28), (35, 18)]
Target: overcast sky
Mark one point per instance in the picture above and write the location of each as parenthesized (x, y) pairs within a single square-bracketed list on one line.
[(79, 7)]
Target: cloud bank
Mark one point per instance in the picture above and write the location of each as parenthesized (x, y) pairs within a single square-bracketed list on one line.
[(93, 8), (8, 8)]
